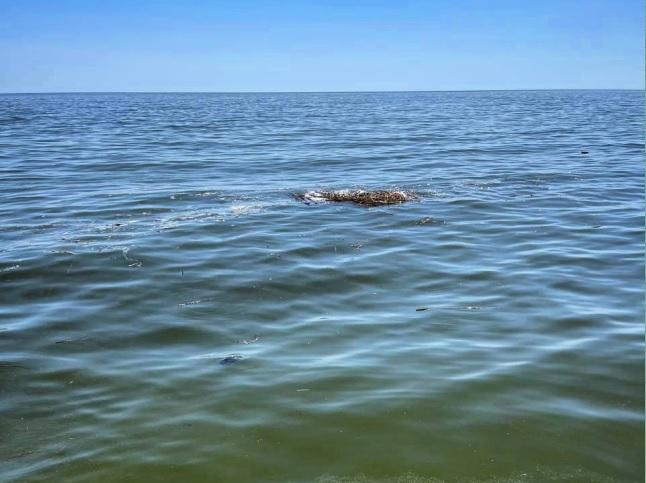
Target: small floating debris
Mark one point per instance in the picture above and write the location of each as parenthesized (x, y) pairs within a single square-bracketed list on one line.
[(255, 338), (230, 360), (195, 302), (427, 220), (361, 197), (190, 302), (71, 340), (468, 307), (584, 152), (10, 269)]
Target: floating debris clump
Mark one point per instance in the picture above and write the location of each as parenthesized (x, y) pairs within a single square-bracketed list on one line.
[(361, 197), (427, 220), (230, 360)]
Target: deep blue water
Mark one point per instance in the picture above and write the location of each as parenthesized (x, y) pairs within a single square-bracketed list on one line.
[(492, 329)]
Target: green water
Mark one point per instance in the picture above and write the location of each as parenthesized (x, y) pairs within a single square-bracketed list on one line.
[(490, 330)]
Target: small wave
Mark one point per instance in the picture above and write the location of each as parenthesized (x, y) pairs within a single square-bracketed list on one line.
[(238, 209), (311, 197)]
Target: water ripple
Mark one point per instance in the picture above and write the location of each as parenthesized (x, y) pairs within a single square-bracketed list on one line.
[(170, 311)]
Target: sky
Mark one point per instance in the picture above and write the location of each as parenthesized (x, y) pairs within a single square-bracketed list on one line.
[(344, 45)]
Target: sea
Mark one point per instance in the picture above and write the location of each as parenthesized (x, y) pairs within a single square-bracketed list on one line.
[(174, 307)]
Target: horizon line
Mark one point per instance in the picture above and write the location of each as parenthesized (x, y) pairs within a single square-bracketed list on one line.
[(328, 92)]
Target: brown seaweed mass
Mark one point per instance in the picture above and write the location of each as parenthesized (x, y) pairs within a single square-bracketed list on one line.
[(367, 198)]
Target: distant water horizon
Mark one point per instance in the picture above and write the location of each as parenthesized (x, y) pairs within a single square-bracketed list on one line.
[(172, 310), (641, 89)]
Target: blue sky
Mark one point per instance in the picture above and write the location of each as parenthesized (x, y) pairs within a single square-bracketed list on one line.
[(255, 45)]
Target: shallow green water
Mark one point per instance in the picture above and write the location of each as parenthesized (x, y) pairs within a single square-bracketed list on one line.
[(490, 330)]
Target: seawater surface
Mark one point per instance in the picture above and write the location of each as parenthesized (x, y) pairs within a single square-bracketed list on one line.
[(170, 312)]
